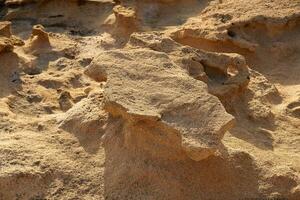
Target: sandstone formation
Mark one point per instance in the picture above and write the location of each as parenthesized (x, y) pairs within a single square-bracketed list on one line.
[(125, 19), (86, 116), (5, 45), (5, 29), (164, 99), (155, 99), (224, 73)]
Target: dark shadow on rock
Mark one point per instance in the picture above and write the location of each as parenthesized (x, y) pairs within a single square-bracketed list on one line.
[(89, 138), (80, 17), (255, 120), (256, 133), (157, 15), (137, 173), (87, 121), (138, 177), (91, 142), (10, 80), (257, 136)]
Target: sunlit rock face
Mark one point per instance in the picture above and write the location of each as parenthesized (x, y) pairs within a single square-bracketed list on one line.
[(149, 99)]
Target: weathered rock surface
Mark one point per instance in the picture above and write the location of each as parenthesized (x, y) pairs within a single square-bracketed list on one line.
[(39, 39), (126, 19), (231, 23), (225, 74), (163, 92), (5, 45), (5, 29), (85, 117), (164, 99)]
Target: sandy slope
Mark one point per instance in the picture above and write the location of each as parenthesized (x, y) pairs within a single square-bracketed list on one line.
[(59, 94)]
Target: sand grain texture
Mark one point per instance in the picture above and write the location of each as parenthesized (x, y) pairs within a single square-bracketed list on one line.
[(144, 100)]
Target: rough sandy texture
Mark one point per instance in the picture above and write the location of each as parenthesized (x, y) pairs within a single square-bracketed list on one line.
[(164, 99)]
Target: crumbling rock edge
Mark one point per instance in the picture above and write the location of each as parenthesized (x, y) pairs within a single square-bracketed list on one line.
[(152, 80), (235, 33)]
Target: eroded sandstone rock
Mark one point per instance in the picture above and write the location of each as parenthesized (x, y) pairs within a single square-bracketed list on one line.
[(226, 74), (5, 45), (85, 117), (162, 93), (231, 26), (5, 29), (5, 32), (39, 37), (164, 133), (65, 101), (126, 19)]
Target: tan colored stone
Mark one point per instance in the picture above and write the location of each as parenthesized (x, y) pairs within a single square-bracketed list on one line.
[(5, 29), (126, 19), (146, 85), (5, 45)]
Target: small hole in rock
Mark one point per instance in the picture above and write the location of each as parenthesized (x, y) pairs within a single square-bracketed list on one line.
[(231, 33)]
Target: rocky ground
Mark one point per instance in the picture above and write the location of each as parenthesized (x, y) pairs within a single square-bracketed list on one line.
[(164, 99)]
